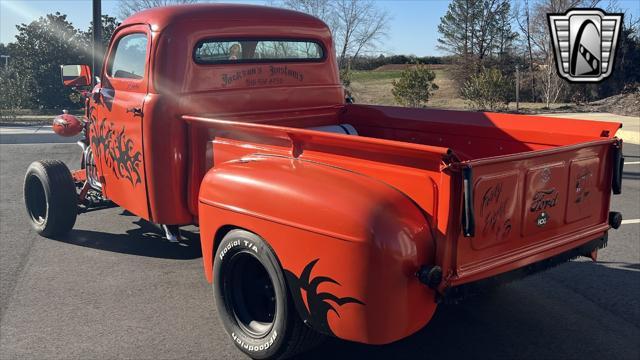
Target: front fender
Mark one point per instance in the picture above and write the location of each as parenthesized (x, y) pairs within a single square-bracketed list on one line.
[(349, 245)]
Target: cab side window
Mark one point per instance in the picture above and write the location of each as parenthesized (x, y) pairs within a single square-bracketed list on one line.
[(130, 57)]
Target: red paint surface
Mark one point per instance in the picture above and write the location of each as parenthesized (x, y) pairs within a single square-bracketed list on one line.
[(373, 207)]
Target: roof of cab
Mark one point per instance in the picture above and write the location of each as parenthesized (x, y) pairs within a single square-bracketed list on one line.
[(161, 17)]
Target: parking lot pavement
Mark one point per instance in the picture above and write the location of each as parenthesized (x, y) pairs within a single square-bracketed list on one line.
[(32, 135), (114, 288)]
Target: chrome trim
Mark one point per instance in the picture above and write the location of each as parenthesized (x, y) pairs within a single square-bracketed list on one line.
[(90, 167)]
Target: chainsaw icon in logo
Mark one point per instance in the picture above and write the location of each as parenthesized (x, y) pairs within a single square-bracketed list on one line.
[(584, 43)]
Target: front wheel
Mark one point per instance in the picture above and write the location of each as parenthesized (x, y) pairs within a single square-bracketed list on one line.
[(253, 302), (50, 197)]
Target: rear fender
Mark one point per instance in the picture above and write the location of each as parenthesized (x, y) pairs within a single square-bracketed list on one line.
[(349, 245)]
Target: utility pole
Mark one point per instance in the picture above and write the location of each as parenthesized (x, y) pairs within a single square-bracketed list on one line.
[(6, 60), (517, 88), (96, 57)]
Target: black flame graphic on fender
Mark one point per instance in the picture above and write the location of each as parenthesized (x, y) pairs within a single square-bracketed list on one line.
[(319, 306), (116, 150)]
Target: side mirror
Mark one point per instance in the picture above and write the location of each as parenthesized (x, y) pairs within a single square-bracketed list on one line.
[(76, 75)]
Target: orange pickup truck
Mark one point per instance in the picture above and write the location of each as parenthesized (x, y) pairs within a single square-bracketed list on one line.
[(319, 217)]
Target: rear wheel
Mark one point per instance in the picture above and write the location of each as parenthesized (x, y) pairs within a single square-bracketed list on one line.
[(253, 302), (50, 197)]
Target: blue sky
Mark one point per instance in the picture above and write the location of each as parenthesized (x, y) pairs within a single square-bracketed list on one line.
[(413, 27)]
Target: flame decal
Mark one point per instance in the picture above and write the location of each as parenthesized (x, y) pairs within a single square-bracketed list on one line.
[(319, 304), (116, 150)]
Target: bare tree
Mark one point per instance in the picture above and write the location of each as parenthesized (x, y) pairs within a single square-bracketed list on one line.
[(523, 18), (129, 7), (322, 9), (542, 49), (552, 85), (361, 26), (357, 25)]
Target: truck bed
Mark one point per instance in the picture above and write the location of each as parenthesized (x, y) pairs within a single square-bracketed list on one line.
[(499, 191), (471, 135), (474, 135)]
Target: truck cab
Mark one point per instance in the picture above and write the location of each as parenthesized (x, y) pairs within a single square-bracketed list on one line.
[(163, 63), (318, 217)]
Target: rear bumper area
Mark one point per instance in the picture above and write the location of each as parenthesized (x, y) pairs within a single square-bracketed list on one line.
[(457, 293)]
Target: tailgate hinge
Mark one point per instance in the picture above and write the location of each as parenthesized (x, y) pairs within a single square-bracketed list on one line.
[(618, 165), (468, 217)]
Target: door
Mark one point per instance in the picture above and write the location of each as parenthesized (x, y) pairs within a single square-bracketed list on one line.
[(116, 128)]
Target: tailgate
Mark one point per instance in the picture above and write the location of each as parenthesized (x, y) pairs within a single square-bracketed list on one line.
[(530, 206)]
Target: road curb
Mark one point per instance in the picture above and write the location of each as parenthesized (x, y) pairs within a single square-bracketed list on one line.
[(25, 123), (629, 133), (628, 136)]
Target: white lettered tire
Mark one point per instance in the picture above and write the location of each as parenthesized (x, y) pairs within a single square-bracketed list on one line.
[(253, 301)]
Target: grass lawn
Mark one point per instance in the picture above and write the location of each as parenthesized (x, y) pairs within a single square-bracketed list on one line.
[(359, 75), (374, 87)]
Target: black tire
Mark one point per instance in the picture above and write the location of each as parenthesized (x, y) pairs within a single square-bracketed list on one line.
[(50, 197), (253, 301)]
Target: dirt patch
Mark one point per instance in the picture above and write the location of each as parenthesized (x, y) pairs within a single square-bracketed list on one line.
[(374, 87), (623, 104), (374, 92)]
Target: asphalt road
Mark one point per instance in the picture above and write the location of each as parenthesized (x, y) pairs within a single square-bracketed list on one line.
[(115, 289)]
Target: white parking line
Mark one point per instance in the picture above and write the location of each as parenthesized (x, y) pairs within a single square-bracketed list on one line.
[(632, 162), (630, 221)]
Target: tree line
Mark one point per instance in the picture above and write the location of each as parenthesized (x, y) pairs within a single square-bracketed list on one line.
[(32, 81), (31, 77), (484, 41), (489, 39)]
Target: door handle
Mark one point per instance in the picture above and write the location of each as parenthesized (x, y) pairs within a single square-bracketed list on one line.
[(135, 110)]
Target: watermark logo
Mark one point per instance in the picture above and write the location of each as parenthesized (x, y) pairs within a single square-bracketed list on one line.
[(584, 43)]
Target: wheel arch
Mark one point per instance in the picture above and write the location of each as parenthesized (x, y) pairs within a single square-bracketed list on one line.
[(366, 237), (223, 230)]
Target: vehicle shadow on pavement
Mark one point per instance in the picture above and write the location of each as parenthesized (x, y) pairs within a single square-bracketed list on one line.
[(146, 240), (523, 320)]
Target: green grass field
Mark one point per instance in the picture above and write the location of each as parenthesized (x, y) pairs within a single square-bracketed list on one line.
[(374, 87)]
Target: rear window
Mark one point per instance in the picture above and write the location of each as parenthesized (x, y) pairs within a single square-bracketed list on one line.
[(247, 51)]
